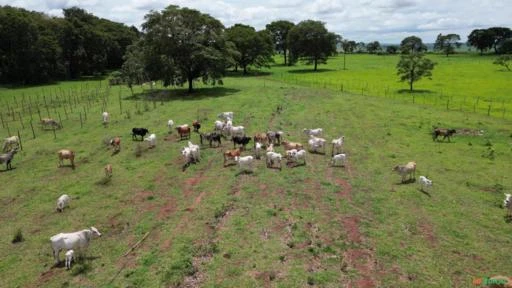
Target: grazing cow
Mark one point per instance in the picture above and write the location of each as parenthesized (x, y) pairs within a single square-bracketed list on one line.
[(69, 257), (62, 202), (313, 132), (75, 240), (507, 203), (261, 138), (241, 140), (258, 149), (446, 133), (10, 143), (237, 131), (219, 125), (339, 159), (295, 155), (272, 158), (66, 154), (7, 158), (292, 145), (196, 125), (151, 139), (108, 170), (106, 118), (139, 132), (231, 154), (407, 169), (337, 145), (274, 137), (170, 124), (49, 122), (270, 147), (245, 162), (183, 131), (225, 116), (210, 137), (316, 143), (425, 183), (116, 144)]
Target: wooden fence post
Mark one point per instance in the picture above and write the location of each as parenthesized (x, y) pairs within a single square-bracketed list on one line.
[(21, 120), (32, 127), (19, 138)]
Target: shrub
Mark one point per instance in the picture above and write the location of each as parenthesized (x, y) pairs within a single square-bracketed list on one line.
[(18, 237)]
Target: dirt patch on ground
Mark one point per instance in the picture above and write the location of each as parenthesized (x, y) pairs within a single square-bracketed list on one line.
[(351, 227), (361, 260), (167, 209), (46, 276), (346, 191), (427, 231)]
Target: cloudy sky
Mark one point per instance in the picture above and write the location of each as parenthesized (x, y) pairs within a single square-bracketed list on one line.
[(387, 21)]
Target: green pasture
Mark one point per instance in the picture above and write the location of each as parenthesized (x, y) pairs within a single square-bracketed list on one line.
[(464, 82), (213, 226)]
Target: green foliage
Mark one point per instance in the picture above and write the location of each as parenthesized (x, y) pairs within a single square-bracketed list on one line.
[(391, 49), (373, 47), (412, 67), (411, 45), (481, 39), (279, 32), (18, 237), (254, 48), (189, 42), (310, 41), (447, 43), (504, 60)]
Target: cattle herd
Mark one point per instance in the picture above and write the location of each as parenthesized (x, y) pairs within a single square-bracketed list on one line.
[(264, 145)]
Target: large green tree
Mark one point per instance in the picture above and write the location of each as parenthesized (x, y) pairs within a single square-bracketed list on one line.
[(373, 47), (191, 42), (481, 39), (279, 32), (311, 42), (447, 43), (29, 48), (412, 44), (414, 66), (255, 48)]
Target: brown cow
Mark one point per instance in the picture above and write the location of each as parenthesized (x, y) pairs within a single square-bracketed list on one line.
[(66, 154), (184, 131), (231, 154), (116, 144), (292, 145), (108, 170)]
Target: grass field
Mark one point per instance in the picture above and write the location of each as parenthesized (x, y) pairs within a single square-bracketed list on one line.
[(464, 82), (212, 226)]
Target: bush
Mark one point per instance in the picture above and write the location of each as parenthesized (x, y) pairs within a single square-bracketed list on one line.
[(18, 237)]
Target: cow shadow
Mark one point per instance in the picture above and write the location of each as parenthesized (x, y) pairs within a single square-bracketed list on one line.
[(408, 181), (425, 192), (244, 172), (292, 164), (7, 170)]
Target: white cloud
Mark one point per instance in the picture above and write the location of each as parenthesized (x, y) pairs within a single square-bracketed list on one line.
[(387, 21)]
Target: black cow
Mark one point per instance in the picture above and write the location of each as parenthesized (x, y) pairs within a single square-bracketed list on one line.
[(210, 137), (241, 140), (139, 131), (443, 132)]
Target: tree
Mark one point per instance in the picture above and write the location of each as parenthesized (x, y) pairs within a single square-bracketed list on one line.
[(191, 42), (499, 34), (373, 47), (412, 44), (391, 49), (412, 67), (133, 70), (447, 43), (310, 41), (504, 60), (255, 48), (481, 39), (360, 47), (506, 46), (279, 32)]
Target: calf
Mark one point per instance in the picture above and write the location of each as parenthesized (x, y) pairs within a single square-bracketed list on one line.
[(338, 159), (151, 139), (62, 202), (407, 169), (507, 203), (245, 162), (139, 132), (108, 170), (170, 125), (7, 158), (66, 154), (258, 149), (241, 140), (116, 144), (196, 125), (446, 133), (231, 154), (425, 182), (69, 257), (106, 118)]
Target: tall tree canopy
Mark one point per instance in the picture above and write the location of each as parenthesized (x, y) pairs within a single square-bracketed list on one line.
[(447, 43), (494, 37), (29, 48), (412, 44), (499, 34), (373, 47), (190, 42), (255, 48), (279, 32), (310, 41)]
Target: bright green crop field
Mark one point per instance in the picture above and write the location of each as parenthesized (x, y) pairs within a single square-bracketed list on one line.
[(165, 224)]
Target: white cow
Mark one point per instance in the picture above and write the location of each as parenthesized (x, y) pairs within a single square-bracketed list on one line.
[(75, 240), (237, 131), (407, 169), (273, 157), (69, 257), (106, 118), (295, 155), (425, 182), (62, 202), (152, 140), (245, 162), (507, 203), (316, 143), (219, 125), (226, 116), (339, 159), (258, 149), (170, 125), (313, 132), (337, 145), (11, 143)]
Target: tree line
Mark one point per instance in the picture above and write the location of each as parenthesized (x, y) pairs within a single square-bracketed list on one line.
[(36, 48)]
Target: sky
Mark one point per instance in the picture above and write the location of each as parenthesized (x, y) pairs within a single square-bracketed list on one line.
[(386, 21)]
